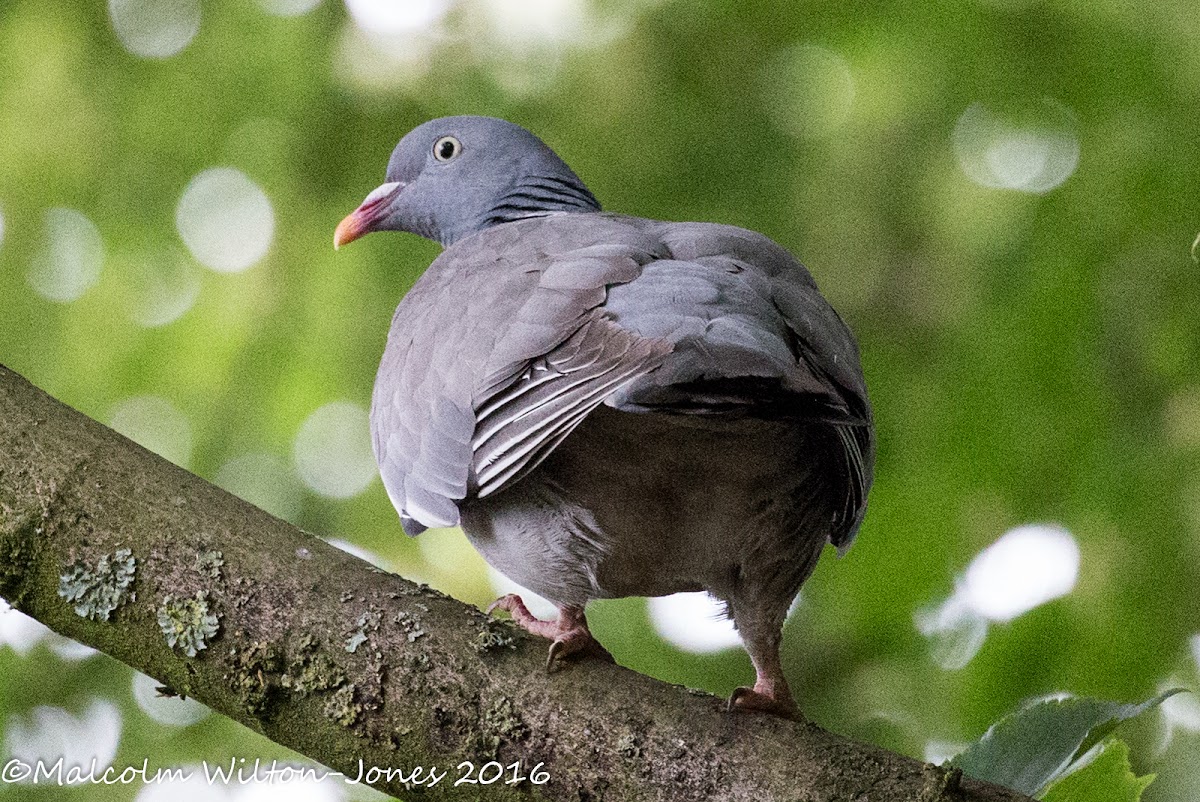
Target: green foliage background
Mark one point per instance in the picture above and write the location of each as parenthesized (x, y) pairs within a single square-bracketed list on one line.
[(1030, 357)]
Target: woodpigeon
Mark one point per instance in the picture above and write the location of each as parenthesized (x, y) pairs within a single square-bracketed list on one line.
[(609, 405)]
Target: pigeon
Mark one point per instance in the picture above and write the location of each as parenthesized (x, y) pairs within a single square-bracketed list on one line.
[(609, 405)]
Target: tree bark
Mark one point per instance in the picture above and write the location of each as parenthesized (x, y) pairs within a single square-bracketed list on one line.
[(108, 544)]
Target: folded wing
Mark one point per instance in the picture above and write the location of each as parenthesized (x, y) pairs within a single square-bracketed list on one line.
[(498, 353)]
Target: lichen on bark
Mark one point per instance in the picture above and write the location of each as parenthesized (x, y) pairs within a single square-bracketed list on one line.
[(187, 623), (97, 589)]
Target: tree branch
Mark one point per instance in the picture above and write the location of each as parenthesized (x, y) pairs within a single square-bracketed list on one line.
[(110, 545)]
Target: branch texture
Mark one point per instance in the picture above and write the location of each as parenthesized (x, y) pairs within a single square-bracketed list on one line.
[(108, 544)]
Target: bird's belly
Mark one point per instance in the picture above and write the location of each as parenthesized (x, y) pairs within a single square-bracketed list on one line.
[(636, 504)]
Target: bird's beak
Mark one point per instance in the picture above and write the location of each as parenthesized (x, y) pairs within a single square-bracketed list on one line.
[(363, 219)]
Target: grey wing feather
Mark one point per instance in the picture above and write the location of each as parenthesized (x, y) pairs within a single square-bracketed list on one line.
[(520, 424), (562, 356), (421, 431), (497, 353), (752, 335), (831, 354), (422, 418), (858, 444)]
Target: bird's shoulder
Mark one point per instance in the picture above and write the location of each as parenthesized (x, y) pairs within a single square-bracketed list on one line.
[(506, 319), (737, 303)]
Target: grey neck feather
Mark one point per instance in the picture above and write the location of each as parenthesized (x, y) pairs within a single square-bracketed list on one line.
[(541, 195)]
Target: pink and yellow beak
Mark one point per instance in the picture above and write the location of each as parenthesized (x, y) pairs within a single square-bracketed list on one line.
[(362, 220)]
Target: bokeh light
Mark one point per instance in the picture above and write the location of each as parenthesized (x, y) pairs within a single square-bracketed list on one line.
[(391, 46), (155, 424), (809, 90), (69, 260), (225, 220), (333, 450), (196, 788), (956, 632), (266, 481), (161, 288), (18, 631), (1180, 714), (359, 552), (693, 622), (535, 24), (1027, 567), (388, 16), (540, 606), (525, 44), (22, 633), (48, 733), (384, 61), (155, 28), (174, 711), (1033, 149), (288, 8), (72, 651), (938, 752), (304, 786)]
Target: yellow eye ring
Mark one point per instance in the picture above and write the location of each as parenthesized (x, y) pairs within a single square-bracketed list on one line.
[(446, 148)]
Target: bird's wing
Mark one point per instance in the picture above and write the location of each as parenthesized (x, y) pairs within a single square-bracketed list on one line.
[(520, 419), (752, 336), (497, 353), (421, 419)]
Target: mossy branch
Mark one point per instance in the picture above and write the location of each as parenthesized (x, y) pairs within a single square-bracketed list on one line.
[(108, 544)]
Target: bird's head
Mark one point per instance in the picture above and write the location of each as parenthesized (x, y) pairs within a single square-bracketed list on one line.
[(454, 176)]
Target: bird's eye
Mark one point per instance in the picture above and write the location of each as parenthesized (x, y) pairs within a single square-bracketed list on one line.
[(446, 148)]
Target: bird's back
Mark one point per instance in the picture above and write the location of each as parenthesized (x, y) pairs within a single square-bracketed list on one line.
[(708, 326)]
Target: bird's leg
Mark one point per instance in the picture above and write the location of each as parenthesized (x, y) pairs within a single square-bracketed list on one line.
[(569, 632), (770, 693)]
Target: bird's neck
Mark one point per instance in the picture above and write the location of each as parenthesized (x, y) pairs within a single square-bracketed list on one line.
[(541, 195)]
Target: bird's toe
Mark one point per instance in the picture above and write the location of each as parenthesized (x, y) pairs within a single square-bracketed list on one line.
[(750, 700), (514, 606), (576, 642), (507, 602)]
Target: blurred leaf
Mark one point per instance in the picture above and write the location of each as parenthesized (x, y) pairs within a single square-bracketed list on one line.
[(1030, 748), (1106, 778)]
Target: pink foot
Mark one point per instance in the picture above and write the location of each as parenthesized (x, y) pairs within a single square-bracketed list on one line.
[(755, 701), (770, 693), (569, 632)]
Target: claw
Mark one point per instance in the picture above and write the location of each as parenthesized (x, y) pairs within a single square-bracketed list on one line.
[(751, 700), (555, 649), (576, 641), (569, 634)]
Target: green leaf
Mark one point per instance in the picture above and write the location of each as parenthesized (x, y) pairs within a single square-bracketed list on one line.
[(1107, 777), (1029, 749)]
